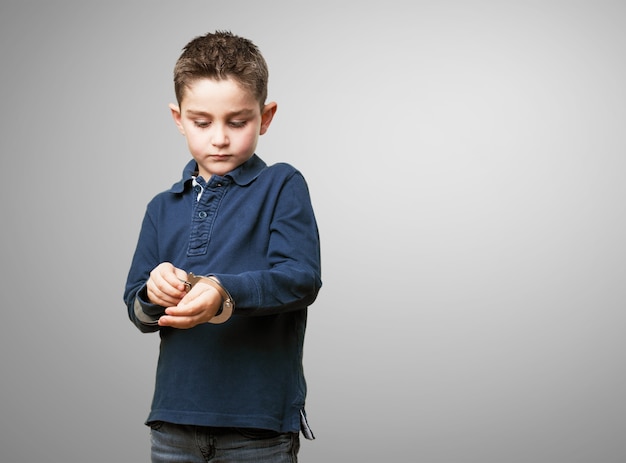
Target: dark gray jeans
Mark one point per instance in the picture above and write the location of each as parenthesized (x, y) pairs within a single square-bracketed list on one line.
[(172, 443)]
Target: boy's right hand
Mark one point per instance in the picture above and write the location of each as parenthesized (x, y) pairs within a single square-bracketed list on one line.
[(164, 286)]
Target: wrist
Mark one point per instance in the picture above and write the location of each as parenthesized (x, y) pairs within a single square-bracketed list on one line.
[(228, 305)]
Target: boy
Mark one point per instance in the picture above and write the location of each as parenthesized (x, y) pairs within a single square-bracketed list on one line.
[(226, 264)]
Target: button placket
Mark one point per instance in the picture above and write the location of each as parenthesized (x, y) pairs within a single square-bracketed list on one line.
[(204, 212)]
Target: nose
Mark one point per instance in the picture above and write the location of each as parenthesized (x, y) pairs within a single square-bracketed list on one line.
[(219, 137)]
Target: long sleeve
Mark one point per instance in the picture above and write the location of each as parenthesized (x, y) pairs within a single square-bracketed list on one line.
[(292, 279)]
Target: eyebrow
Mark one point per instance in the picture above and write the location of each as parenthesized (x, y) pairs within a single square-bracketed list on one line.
[(241, 112)]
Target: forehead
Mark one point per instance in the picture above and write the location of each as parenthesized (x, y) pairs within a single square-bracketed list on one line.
[(223, 93)]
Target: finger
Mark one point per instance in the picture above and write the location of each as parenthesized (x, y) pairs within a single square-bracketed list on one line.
[(180, 274), (178, 322), (202, 293), (171, 285), (166, 286), (166, 275), (162, 299), (163, 294), (177, 280), (200, 304)]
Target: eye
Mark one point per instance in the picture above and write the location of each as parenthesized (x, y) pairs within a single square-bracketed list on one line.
[(201, 124), (238, 124)]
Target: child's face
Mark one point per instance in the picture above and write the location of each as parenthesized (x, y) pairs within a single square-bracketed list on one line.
[(222, 122)]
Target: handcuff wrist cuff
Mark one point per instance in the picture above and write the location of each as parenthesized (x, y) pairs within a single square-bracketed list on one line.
[(228, 305)]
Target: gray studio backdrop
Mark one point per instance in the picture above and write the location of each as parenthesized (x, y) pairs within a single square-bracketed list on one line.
[(466, 161)]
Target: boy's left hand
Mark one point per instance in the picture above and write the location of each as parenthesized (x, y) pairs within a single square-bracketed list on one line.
[(198, 306)]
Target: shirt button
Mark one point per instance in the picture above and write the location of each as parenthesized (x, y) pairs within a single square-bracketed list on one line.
[(197, 188), (202, 214)]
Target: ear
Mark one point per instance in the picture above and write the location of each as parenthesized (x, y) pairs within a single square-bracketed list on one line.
[(177, 117), (267, 115)]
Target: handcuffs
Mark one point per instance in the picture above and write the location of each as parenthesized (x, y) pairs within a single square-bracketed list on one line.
[(228, 305)]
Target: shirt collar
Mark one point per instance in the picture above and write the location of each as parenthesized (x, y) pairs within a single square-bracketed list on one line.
[(242, 175)]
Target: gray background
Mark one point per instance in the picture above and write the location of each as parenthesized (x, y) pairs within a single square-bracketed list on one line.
[(466, 161)]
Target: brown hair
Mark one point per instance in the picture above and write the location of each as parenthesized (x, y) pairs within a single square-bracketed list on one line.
[(222, 55)]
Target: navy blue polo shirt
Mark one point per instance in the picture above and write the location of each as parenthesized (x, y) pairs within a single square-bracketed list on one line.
[(255, 230)]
